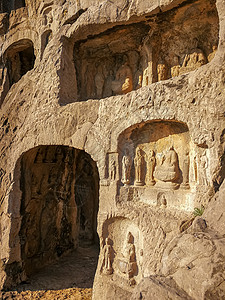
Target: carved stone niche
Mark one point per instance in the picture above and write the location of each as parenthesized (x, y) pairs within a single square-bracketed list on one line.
[(112, 63), (19, 58), (124, 252), (156, 160), (186, 41), (126, 58)]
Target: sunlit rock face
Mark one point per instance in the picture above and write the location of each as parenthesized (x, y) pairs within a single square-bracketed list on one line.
[(112, 132)]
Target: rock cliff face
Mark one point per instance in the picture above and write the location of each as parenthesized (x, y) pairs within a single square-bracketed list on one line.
[(113, 132)]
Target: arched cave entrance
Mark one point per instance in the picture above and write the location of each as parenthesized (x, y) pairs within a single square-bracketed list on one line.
[(59, 206)]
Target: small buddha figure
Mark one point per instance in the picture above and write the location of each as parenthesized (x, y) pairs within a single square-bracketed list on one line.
[(126, 168), (131, 256), (112, 169), (193, 60), (175, 70), (168, 170), (138, 79), (151, 167), (99, 82), (145, 80), (186, 163), (139, 164), (203, 167), (211, 55), (123, 83), (162, 71), (107, 258)]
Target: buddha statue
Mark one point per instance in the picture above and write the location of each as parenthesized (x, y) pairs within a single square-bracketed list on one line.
[(167, 172)]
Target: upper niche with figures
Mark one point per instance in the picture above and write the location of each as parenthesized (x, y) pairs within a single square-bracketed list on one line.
[(129, 57)]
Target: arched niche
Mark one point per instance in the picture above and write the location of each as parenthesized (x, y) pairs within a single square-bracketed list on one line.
[(126, 253), (152, 142), (159, 164), (57, 191), (19, 59), (45, 38)]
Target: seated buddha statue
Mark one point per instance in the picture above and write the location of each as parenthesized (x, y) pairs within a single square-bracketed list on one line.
[(168, 170)]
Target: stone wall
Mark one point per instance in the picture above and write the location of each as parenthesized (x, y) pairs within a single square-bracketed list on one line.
[(138, 86)]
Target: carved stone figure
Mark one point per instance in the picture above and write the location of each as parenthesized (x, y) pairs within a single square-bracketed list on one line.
[(168, 170), (107, 259), (175, 70), (186, 164), (162, 71), (163, 201), (145, 77), (99, 82), (151, 167), (195, 163), (107, 91), (138, 79), (126, 167), (211, 55), (203, 167), (132, 263), (112, 169), (139, 164), (124, 82), (193, 60)]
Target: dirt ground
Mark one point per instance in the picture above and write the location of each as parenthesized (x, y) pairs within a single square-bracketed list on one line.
[(70, 278)]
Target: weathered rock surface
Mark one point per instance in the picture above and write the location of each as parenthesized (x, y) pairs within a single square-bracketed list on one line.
[(112, 122)]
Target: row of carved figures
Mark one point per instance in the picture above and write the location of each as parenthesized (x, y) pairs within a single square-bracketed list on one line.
[(105, 84), (192, 61), (128, 265), (165, 171)]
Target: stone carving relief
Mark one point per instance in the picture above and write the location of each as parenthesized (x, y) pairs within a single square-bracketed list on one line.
[(126, 256), (193, 60), (139, 165), (162, 71), (126, 167), (151, 167), (203, 165), (123, 82), (131, 58), (159, 158), (106, 267), (132, 263), (52, 207), (167, 172), (186, 167)]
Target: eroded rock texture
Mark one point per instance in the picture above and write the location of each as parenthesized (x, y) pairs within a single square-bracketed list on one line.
[(112, 132)]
